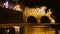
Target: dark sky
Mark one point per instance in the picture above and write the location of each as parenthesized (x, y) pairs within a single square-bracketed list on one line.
[(40, 2)]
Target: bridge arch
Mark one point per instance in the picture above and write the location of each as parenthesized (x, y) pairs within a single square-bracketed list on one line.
[(31, 19), (45, 19)]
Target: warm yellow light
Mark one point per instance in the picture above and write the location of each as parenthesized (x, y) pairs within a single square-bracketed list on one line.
[(42, 9), (4, 4), (17, 7)]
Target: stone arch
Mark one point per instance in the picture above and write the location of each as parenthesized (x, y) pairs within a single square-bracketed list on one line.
[(45, 19), (31, 19)]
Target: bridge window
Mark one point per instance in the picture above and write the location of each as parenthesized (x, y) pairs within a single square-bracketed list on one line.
[(31, 19)]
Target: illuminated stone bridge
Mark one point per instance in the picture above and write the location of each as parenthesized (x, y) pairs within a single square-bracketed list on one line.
[(39, 14)]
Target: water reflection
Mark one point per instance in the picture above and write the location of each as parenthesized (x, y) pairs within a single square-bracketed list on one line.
[(29, 30)]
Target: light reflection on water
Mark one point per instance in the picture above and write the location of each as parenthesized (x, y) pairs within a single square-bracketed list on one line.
[(29, 30)]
